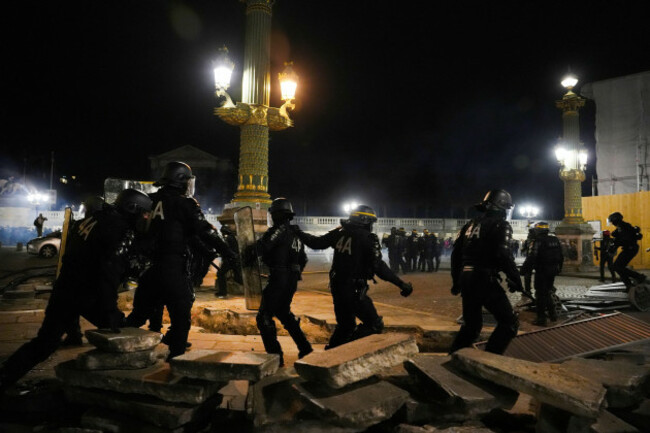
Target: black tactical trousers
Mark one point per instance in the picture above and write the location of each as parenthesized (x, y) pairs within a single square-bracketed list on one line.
[(479, 290), (606, 259), (65, 306), (394, 260), (544, 295), (166, 283), (222, 277), (352, 301), (621, 262), (276, 302)]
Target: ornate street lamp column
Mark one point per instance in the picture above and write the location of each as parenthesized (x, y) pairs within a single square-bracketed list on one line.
[(575, 234), (253, 115)]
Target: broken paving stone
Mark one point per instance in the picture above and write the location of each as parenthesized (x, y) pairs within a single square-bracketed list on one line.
[(157, 381), (127, 340), (19, 293), (360, 405), (548, 383), (274, 400), (356, 360), (106, 420), (639, 417), (625, 382), (144, 408), (99, 360), (609, 423), (234, 395), (304, 426), (408, 428), (457, 391), (224, 366)]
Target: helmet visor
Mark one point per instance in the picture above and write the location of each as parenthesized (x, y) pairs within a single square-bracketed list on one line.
[(510, 212)]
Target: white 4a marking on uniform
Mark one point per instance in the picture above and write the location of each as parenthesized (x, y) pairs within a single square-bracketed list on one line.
[(296, 245), (473, 231), (158, 211), (344, 245), (86, 226)]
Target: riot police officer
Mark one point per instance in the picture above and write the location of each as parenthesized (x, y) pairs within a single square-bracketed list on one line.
[(480, 252), (176, 218), (284, 254), (606, 247), (412, 251), (401, 249), (545, 257), (625, 236), (422, 251), (94, 264), (357, 258), (392, 243), (228, 265)]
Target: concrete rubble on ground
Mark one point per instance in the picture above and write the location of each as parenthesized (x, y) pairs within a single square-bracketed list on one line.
[(379, 383)]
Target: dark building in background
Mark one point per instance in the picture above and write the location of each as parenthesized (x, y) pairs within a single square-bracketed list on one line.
[(215, 177)]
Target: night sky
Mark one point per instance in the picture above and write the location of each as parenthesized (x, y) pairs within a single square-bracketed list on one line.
[(415, 110)]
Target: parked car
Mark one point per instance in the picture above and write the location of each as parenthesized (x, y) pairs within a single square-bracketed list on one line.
[(46, 246)]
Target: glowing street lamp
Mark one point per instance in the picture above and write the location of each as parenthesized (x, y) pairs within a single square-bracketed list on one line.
[(253, 114), (348, 206)]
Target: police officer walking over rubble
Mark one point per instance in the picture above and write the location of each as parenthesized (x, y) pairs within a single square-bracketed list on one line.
[(283, 252), (176, 218), (545, 257), (480, 252), (626, 237), (94, 264), (357, 259)]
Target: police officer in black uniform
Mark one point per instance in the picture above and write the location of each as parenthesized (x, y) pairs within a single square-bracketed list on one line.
[(284, 254), (357, 259), (545, 257), (412, 251), (176, 218), (228, 265), (392, 243), (606, 247), (481, 250), (94, 264), (401, 249), (625, 236)]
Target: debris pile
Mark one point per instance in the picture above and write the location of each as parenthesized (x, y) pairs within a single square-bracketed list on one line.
[(380, 383)]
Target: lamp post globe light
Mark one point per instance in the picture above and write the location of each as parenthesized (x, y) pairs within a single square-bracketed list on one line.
[(574, 233), (254, 116), (529, 212)]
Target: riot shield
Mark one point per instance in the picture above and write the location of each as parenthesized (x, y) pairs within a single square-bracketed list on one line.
[(639, 295), (67, 222), (113, 186), (250, 263)]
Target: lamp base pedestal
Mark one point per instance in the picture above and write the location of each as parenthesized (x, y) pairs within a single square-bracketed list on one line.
[(577, 246), (260, 211)]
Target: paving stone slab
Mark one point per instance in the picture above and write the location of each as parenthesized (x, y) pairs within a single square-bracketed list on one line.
[(609, 423), (235, 394), (223, 366), (638, 417), (127, 340), (305, 426), (274, 400), (356, 360), (107, 420), (457, 391), (144, 408), (19, 294), (157, 381), (99, 360), (554, 420), (548, 383), (359, 405), (626, 383)]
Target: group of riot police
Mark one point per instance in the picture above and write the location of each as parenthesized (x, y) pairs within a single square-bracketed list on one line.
[(412, 253), (166, 229)]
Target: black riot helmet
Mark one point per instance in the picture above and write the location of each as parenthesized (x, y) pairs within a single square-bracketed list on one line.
[(616, 218), (541, 227), (496, 199), (363, 215), (175, 174), (92, 204), (133, 202), (281, 205)]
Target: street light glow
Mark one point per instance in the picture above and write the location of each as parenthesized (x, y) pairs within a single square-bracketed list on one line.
[(529, 211), (560, 154), (582, 157), (223, 68), (288, 82), (569, 81), (347, 207)]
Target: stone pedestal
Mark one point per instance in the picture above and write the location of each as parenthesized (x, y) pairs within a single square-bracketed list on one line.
[(577, 246), (259, 215)]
